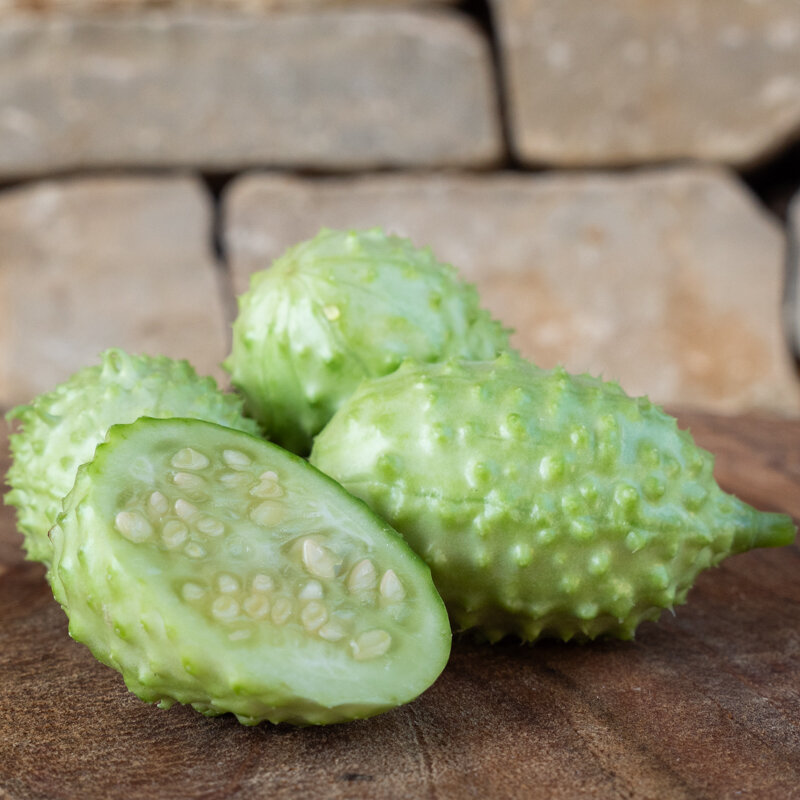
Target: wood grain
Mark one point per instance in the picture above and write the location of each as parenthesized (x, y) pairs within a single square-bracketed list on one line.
[(704, 704)]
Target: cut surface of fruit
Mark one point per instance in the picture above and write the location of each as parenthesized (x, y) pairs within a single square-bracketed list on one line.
[(212, 568)]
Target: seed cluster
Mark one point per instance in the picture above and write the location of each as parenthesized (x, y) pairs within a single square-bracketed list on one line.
[(314, 593)]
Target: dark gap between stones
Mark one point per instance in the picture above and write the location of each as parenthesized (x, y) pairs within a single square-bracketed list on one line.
[(481, 13), (215, 184), (791, 294), (776, 182)]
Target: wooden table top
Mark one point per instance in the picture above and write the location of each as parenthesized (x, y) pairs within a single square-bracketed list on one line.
[(703, 704)]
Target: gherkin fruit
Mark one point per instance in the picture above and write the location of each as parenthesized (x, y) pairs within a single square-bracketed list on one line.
[(215, 569), (61, 428), (545, 504), (341, 307)]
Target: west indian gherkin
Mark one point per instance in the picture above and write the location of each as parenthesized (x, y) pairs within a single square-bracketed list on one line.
[(60, 429), (341, 307), (213, 568), (546, 504)]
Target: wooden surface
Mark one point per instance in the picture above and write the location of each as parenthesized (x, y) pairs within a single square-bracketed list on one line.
[(704, 704)]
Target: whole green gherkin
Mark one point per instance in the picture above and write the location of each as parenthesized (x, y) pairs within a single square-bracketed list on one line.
[(545, 504), (341, 307), (61, 428)]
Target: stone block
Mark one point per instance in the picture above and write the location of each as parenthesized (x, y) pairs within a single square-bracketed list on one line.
[(631, 81), (669, 280), (335, 89), (105, 262), (257, 6), (792, 295)]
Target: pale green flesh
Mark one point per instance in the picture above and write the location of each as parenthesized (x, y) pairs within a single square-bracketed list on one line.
[(216, 569)]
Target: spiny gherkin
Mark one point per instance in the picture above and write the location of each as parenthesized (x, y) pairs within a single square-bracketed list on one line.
[(341, 307), (545, 504), (61, 428), (213, 568)]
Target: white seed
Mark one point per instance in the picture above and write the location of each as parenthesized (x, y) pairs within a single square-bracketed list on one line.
[(189, 459), (256, 606), (174, 533), (194, 550), (237, 636), (311, 591), (192, 591), (234, 478), (318, 560), (225, 608), (184, 509), (268, 485), (188, 481), (331, 631), (313, 615), (331, 312), (371, 644), (158, 503), (211, 526), (268, 513), (281, 610), (265, 489), (391, 588), (227, 584), (262, 583), (236, 459), (362, 577), (133, 526)]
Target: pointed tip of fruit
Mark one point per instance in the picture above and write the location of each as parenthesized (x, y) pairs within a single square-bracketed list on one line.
[(773, 530), (752, 528)]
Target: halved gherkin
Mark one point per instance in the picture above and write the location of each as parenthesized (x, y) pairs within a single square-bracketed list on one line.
[(215, 569)]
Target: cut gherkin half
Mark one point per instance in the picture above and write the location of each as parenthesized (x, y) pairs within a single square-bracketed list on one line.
[(212, 568)]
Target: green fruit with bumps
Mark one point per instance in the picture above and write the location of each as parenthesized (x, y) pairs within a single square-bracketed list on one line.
[(545, 504), (215, 569), (61, 428), (342, 307)]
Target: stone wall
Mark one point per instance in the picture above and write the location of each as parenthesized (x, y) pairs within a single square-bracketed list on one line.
[(615, 177)]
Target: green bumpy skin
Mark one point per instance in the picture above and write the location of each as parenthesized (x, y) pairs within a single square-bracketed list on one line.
[(61, 428), (545, 504), (215, 569), (339, 308)]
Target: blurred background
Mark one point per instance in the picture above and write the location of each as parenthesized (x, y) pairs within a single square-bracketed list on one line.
[(616, 177)]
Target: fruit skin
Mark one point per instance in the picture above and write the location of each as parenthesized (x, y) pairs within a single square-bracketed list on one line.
[(341, 307), (61, 428), (125, 597), (545, 504)]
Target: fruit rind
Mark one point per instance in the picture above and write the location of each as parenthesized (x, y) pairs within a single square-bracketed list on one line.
[(546, 504), (341, 307), (207, 630), (60, 429)]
